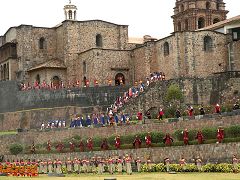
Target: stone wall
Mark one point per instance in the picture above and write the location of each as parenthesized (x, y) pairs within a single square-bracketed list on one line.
[(26, 138), (219, 88), (214, 153), (14, 100), (104, 65), (32, 119)]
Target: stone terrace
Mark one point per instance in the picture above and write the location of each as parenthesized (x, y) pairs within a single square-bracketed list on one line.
[(26, 138)]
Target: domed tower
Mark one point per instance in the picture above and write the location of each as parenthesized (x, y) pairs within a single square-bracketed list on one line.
[(70, 11), (190, 15)]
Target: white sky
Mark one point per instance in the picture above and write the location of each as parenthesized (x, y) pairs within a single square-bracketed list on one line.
[(152, 17)]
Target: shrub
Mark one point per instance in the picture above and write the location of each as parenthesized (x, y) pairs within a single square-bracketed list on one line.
[(224, 168), (209, 168), (178, 135), (111, 140), (157, 137), (232, 132), (209, 133), (191, 168), (128, 139), (16, 149), (175, 167), (97, 141), (160, 167)]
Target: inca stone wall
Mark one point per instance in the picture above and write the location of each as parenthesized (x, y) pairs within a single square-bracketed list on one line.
[(14, 100), (26, 138), (220, 88), (209, 153)]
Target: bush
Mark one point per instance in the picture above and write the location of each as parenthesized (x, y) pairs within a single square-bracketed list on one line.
[(209, 168), (157, 137), (16, 149), (128, 139), (175, 167), (97, 141), (191, 168), (232, 132), (160, 167), (224, 168), (209, 133)]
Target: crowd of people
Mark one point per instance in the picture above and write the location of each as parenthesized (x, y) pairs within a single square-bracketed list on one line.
[(94, 165), (52, 124), (137, 89), (88, 145)]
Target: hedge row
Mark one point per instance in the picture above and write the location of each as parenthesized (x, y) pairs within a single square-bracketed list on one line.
[(232, 134), (221, 168), (157, 137)]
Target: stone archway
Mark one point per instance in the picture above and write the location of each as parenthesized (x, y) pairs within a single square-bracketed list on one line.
[(56, 81), (119, 79)]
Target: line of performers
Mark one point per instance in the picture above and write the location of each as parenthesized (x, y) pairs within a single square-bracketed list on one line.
[(19, 168), (96, 165), (168, 140)]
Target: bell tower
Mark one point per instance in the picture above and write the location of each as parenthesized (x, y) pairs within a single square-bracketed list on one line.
[(70, 11), (190, 15)]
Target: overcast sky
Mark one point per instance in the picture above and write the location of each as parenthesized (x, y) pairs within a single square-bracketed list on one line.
[(144, 17)]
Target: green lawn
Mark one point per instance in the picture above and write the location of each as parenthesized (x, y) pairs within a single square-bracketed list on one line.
[(7, 133), (145, 176)]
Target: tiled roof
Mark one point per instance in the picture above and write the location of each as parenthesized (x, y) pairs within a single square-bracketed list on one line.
[(222, 23), (50, 64)]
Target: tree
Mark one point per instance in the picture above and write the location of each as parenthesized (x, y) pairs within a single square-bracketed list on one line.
[(174, 94)]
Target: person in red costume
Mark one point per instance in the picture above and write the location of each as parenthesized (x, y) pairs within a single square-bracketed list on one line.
[(148, 139), (49, 145), (168, 140), (59, 147), (199, 137), (72, 146), (117, 142), (81, 146), (220, 135), (90, 144), (190, 111), (137, 142), (217, 109), (185, 137)]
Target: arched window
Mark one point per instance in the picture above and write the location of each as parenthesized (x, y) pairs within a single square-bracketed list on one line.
[(70, 14), (216, 20), (179, 26), (42, 43), (201, 23), (181, 8), (208, 43), (98, 40), (166, 49), (208, 5), (119, 79), (186, 25), (84, 67), (56, 81), (75, 14)]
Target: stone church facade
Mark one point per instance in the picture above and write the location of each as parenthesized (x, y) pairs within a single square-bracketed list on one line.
[(203, 43)]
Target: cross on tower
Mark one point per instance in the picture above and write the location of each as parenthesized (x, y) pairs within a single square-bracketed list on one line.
[(69, 1)]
